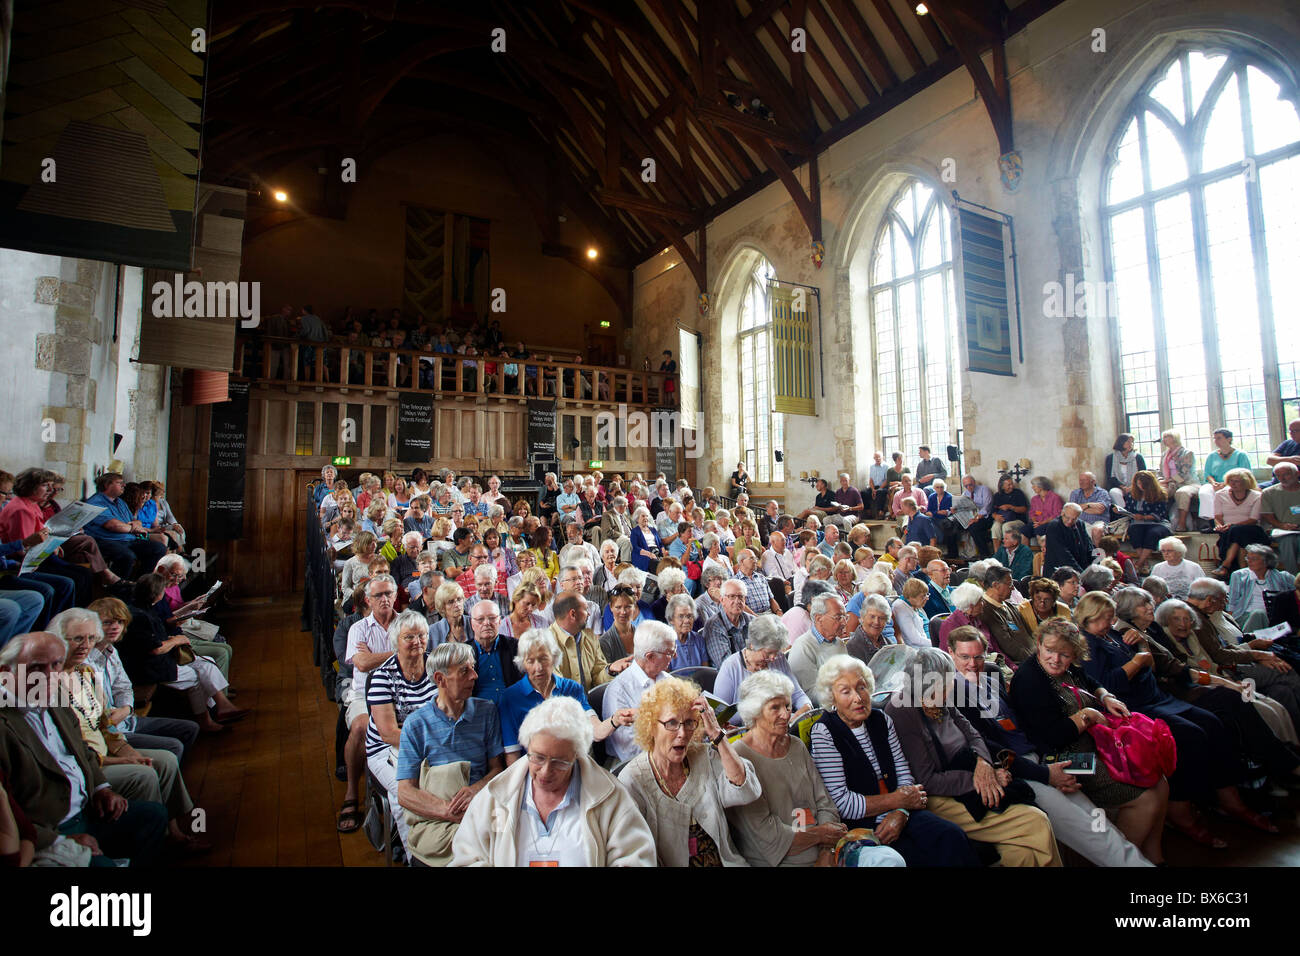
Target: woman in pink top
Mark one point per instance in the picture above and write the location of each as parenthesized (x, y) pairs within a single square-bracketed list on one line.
[(1236, 519), (1045, 505), (22, 518)]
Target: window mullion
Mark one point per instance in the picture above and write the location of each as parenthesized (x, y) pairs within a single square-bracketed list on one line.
[(1209, 315)]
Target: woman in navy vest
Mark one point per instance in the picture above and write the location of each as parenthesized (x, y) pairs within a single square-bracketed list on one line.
[(862, 764)]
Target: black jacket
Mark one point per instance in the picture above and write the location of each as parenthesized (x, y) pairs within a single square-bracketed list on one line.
[(1066, 547)]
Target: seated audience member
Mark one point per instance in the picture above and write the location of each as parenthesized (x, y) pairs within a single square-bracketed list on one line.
[(454, 627), (616, 643), (848, 499), (418, 518), (969, 608), (654, 647), (878, 486), (1249, 657), (646, 548), (726, 631), (1014, 553), (357, 566), (1042, 605), (859, 758), (1209, 761), (938, 503), (1095, 503), (580, 657), (147, 775), (153, 657), (824, 638), (153, 733), (709, 601), (556, 808), (454, 727), (1175, 570), (818, 568), (1178, 478), (368, 646), (797, 620), (1067, 544), (671, 581), (935, 576), (22, 518), (1236, 519), (405, 567), (1279, 512), (523, 614), (1247, 587), (691, 649), (983, 702), (1044, 506), (830, 539), (1006, 628), (910, 624), (1288, 452), (905, 492), (629, 577), (779, 568), (758, 595), (683, 786), (606, 573), (768, 521), (535, 659), (1097, 577), (485, 591), (951, 761), (1157, 588), (864, 561), (793, 822), (1214, 476), (875, 630), (909, 559), (823, 501), (1128, 572), (846, 580), (929, 469), (1009, 508), (457, 558), (1122, 466), (920, 529), (494, 653), (877, 582), (1054, 701), (425, 600), (396, 689), (765, 642), (1068, 580), (51, 774), (1148, 507)]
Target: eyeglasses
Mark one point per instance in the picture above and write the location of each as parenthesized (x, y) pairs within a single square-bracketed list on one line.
[(674, 725), (414, 638), (82, 639), (383, 594), (538, 761)]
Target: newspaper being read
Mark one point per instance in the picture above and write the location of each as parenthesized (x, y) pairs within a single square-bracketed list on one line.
[(72, 518)]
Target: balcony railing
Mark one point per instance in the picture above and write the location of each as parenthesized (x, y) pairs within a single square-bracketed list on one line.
[(284, 361)]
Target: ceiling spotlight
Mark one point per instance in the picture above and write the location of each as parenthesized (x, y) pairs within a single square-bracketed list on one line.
[(922, 9), (591, 252), (755, 103), (735, 102), (281, 195)]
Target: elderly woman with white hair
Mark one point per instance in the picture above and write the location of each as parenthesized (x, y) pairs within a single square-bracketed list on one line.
[(556, 808), (173, 568), (1096, 577), (449, 601), (969, 605), (1205, 677), (682, 785), (146, 774), (817, 567), (765, 643), (394, 690), (1175, 570), (535, 657), (715, 558), (653, 650), (671, 581), (646, 546), (692, 651), (709, 601), (950, 759), (794, 821), (874, 630), (1247, 587), (859, 758), (876, 582)]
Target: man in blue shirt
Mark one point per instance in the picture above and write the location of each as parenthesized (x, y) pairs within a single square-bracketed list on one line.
[(920, 529), (122, 539), (494, 653), (454, 726), (878, 487)]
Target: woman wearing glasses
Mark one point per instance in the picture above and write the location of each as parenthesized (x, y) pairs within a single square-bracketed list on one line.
[(557, 807), (683, 785)]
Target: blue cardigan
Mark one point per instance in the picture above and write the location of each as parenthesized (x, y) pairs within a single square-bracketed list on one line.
[(1240, 583)]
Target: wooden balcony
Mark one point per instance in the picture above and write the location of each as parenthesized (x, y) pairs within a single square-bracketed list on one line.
[(293, 362)]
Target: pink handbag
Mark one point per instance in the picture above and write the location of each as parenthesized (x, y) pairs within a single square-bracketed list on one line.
[(1136, 749)]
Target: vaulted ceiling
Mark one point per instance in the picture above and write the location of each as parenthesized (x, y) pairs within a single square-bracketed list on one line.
[(725, 96)]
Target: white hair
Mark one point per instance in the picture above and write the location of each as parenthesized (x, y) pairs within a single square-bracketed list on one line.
[(678, 601), (817, 606), (874, 602), (410, 536), (767, 633), (60, 623), (1072, 507), (670, 578), (15, 646), (485, 572), (406, 621), (652, 636), (634, 577), (561, 717), (830, 672), (1172, 542), (876, 582), (640, 510), (531, 640), (167, 560), (757, 689), (965, 595)]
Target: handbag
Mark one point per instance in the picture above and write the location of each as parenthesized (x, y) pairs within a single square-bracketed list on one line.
[(1136, 749), (184, 654)]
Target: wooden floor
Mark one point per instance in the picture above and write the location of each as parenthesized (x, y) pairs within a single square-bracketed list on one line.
[(270, 794)]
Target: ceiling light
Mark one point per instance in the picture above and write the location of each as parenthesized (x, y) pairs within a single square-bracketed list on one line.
[(922, 9), (591, 252), (281, 195)]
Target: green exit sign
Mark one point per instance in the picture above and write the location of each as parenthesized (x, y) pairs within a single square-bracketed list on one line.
[(343, 460), (604, 323), (595, 464)]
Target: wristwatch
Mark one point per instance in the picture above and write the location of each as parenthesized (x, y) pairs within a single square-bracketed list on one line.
[(717, 741)]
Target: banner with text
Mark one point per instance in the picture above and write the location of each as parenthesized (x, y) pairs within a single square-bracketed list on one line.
[(541, 430), (227, 454), (414, 426)]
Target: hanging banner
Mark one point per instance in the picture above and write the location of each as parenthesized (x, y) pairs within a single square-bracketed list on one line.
[(541, 430), (688, 372), (983, 273), (792, 362), (414, 426), (227, 457)]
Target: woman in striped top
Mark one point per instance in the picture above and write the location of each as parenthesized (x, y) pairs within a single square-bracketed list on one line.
[(396, 689), (860, 760)]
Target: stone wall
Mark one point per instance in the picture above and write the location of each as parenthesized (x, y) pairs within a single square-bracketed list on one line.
[(1060, 409)]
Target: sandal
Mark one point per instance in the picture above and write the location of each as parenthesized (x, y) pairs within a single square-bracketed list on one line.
[(1251, 819), (1221, 573), (1201, 834), (349, 819)]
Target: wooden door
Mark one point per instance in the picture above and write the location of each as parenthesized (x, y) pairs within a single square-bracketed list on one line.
[(600, 350)]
